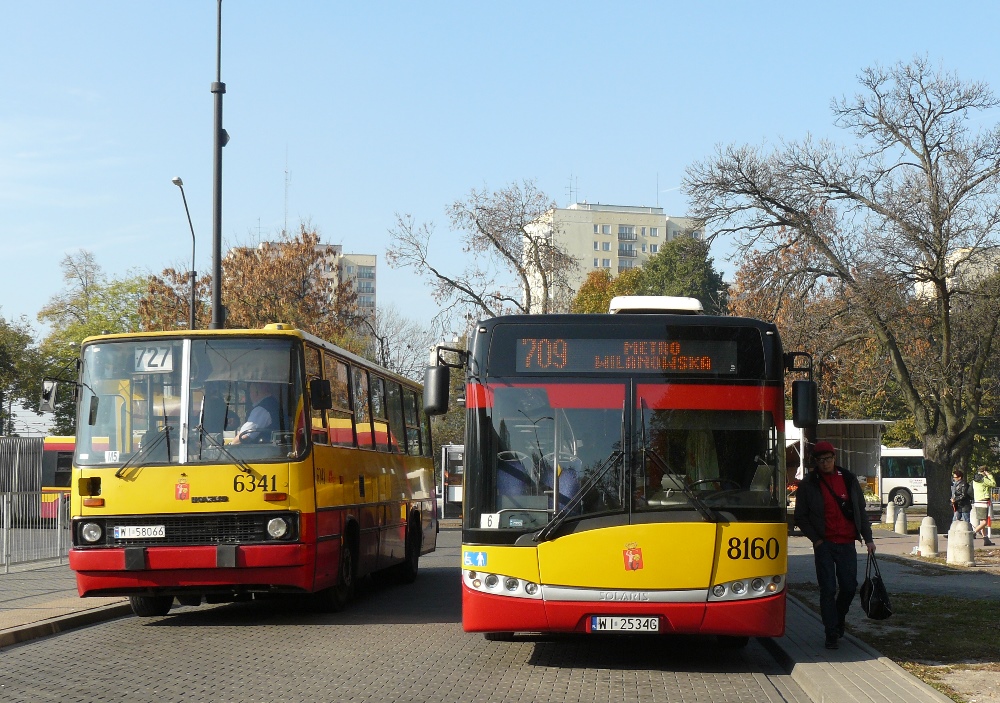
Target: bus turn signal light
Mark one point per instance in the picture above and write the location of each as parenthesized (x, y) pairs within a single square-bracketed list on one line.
[(275, 496), (93, 502)]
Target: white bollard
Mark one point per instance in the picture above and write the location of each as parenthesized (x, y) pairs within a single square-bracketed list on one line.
[(928, 544), (890, 513), (961, 548), (900, 524)]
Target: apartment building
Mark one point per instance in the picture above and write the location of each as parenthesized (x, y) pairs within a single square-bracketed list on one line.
[(358, 269), (613, 237)]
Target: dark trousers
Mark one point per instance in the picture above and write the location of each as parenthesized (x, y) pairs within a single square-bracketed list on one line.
[(837, 576)]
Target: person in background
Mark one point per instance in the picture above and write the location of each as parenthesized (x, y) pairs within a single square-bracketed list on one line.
[(983, 484), (961, 497), (830, 511)]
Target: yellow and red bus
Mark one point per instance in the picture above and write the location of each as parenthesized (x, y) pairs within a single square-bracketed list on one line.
[(623, 472), (57, 470), (173, 499)]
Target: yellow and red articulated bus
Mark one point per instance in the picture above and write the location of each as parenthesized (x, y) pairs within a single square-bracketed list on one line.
[(182, 490), (623, 473), (57, 470)]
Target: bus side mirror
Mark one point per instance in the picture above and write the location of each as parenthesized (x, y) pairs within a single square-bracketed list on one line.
[(47, 404), (805, 407), (437, 386), (92, 415), (320, 395)]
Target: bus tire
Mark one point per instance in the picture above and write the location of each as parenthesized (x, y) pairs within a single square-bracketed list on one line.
[(414, 540), (151, 606), (733, 641), (901, 497), (498, 636), (336, 597)]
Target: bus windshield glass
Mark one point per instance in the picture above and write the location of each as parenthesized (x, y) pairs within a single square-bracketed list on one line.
[(627, 449), (170, 400)]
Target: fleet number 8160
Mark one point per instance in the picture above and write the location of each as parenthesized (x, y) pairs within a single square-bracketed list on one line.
[(755, 548)]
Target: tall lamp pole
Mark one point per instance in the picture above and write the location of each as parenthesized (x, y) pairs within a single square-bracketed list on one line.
[(176, 180), (220, 139)]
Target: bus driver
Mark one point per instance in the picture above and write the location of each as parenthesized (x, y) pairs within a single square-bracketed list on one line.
[(264, 414)]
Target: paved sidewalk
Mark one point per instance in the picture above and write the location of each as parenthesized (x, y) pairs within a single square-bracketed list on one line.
[(39, 600)]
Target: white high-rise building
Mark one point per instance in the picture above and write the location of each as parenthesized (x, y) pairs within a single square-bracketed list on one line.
[(359, 269), (613, 237)]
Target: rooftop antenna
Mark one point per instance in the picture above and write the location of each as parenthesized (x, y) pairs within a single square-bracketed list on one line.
[(287, 180), (571, 189)]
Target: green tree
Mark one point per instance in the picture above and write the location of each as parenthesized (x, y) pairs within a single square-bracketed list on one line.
[(683, 268), (904, 227), (20, 370), (90, 304)]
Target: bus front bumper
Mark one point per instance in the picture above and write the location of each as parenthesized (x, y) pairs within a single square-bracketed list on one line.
[(759, 617), (123, 571)]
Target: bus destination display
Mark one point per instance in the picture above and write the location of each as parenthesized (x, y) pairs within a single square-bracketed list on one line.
[(560, 355)]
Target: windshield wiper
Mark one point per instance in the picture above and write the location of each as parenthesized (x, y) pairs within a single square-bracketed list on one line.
[(240, 464), (144, 450), (552, 525), (698, 503)]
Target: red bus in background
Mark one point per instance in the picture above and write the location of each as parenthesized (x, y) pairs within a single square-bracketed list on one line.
[(57, 471)]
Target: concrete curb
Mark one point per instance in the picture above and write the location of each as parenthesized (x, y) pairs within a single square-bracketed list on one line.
[(853, 673), (61, 623)]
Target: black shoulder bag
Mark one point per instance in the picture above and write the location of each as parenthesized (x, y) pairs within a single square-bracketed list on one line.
[(874, 597)]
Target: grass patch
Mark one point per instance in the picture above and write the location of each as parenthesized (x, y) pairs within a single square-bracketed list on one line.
[(929, 636)]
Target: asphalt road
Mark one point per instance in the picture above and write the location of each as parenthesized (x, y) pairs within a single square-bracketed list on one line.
[(398, 643)]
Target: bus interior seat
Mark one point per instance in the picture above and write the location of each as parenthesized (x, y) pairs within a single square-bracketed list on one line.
[(515, 489)]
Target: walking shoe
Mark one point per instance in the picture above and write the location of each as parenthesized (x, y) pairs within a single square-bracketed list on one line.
[(987, 542), (831, 641)]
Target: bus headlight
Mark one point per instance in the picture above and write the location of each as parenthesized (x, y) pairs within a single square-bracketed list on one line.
[(91, 532), (492, 580), (277, 527), (510, 584), (719, 591)]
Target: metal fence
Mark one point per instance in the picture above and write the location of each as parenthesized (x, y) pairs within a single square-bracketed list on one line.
[(29, 532)]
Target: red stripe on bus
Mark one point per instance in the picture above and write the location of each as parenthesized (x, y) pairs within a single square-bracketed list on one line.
[(607, 396), (705, 397)]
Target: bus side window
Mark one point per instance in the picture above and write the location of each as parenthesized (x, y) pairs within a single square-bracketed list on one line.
[(380, 423), (340, 419), (425, 429), (314, 370), (397, 429), (362, 411), (412, 423)]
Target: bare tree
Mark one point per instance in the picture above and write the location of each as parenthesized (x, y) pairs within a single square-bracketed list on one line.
[(515, 263), (914, 203)]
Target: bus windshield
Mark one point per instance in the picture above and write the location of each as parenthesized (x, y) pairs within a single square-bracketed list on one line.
[(628, 448), (170, 400)]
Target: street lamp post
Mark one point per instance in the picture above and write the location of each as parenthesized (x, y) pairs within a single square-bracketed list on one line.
[(219, 139), (180, 184)]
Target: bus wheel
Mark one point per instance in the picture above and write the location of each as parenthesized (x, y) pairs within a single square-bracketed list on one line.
[(150, 606), (408, 569), (733, 642), (901, 497), (498, 636), (335, 598)]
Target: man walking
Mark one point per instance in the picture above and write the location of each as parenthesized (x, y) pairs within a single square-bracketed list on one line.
[(830, 511)]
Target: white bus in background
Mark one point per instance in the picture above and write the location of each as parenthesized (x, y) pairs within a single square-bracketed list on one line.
[(902, 476)]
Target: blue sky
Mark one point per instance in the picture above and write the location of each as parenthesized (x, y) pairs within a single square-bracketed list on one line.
[(383, 107)]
